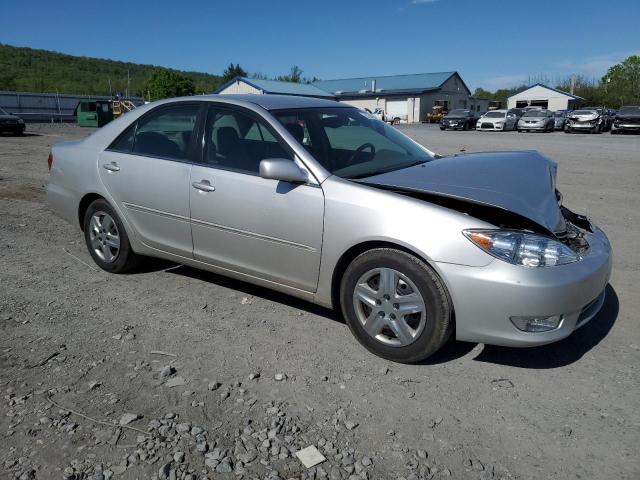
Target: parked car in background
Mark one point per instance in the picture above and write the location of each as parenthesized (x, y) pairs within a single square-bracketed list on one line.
[(460, 119), (584, 120), (518, 112), (560, 118), (411, 247), (627, 119), (607, 119), (11, 123), (536, 120), (497, 120)]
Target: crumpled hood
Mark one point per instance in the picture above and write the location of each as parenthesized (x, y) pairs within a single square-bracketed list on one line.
[(521, 182)]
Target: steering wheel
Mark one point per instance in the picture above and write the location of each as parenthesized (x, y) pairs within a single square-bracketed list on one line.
[(359, 150)]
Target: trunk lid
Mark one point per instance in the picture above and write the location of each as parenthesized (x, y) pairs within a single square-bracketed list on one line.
[(520, 182)]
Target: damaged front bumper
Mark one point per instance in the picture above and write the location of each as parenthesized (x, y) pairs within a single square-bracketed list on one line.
[(486, 298)]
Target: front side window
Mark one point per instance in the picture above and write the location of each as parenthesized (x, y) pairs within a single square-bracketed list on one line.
[(351, 143), (237, 141)]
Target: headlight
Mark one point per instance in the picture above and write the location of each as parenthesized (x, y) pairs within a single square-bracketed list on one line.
[(499, 122), (20, 120), (519, 248)]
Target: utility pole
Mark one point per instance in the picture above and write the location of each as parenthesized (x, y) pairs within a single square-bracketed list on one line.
[(573, 84)]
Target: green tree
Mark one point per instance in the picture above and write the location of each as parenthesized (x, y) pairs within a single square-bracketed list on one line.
[(233, 71), (165, 83), (621, 83), (295, 75), (8, 82)]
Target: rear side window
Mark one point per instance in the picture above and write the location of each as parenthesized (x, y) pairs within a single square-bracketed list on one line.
[(165, 133)]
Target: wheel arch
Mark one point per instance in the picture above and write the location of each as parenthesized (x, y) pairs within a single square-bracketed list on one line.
[(85, 201), (350, 254)]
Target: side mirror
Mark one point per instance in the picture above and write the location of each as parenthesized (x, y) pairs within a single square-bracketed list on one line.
[(283, 170)]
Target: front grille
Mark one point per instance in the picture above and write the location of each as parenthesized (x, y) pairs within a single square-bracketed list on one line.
[(486, 125)]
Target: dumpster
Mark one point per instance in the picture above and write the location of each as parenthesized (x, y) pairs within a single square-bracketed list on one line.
[(93, 113)]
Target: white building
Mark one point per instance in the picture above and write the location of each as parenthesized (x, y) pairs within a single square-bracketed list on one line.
[(542, 96)]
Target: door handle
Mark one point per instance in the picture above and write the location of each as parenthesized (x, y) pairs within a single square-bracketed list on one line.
[(112, 167), (204, 186)]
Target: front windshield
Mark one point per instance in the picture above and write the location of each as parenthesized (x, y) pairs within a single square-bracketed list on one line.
[(458, 113), (585, 112), (494, 115), (629, 111), (350, 143), (559, 114), (536, 113)]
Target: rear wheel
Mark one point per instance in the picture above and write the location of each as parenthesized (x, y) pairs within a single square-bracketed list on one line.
[(396, 305), (107, 239)]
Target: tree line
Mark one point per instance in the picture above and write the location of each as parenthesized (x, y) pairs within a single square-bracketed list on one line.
[(27, 69)]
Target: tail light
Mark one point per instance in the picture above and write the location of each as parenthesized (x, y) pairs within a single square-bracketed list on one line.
[(50, 160)]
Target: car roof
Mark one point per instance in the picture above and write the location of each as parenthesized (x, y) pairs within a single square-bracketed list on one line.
[(276, 102)]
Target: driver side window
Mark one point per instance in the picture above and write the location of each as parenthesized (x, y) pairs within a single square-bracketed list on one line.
[(239, 142)]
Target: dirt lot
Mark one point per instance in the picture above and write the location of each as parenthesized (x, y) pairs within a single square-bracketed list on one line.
[(223, 379)]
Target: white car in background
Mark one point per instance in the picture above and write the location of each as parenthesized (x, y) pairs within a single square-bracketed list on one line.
[(498, 120)]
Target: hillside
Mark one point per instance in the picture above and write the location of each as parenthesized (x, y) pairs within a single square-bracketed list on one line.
[(31, 70)]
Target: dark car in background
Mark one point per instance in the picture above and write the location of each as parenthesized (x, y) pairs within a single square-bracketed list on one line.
[(627, 119), (11, 123), (460, 119)]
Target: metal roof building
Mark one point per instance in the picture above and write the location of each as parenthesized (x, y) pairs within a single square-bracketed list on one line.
[(540, 95), (241, 85), (407, 98)]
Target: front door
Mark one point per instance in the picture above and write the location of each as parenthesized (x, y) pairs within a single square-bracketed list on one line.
[(263, 228), (146, 171)]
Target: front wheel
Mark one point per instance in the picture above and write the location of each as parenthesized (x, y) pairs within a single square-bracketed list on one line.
[(396, 305), (107, 239)]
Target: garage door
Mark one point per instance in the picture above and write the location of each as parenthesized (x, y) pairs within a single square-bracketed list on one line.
[(397, 108)]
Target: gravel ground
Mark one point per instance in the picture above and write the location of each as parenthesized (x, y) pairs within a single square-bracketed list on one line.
[(173, 373)]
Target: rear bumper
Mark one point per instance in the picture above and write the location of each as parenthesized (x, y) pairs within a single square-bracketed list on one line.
[(485, 298), (63, 202)]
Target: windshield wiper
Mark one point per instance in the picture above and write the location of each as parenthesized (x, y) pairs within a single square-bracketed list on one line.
[(371, 173)]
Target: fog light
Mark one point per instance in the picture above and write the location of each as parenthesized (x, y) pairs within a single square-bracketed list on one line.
[(536, 324)]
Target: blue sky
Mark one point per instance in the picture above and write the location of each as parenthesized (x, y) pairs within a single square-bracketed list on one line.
[(492, 43)]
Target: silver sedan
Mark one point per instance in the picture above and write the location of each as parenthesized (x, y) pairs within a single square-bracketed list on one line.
[(325, 202)]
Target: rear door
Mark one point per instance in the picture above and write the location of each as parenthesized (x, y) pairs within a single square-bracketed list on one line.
[(146, 171), (263, 228)]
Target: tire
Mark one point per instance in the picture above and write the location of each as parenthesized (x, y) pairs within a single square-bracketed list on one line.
[(97, 217), (465, 127), (443, 128), (567, 130), (421, 334)]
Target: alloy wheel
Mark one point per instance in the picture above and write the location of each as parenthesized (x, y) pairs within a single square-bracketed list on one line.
[(104, 236), (389, 306)]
